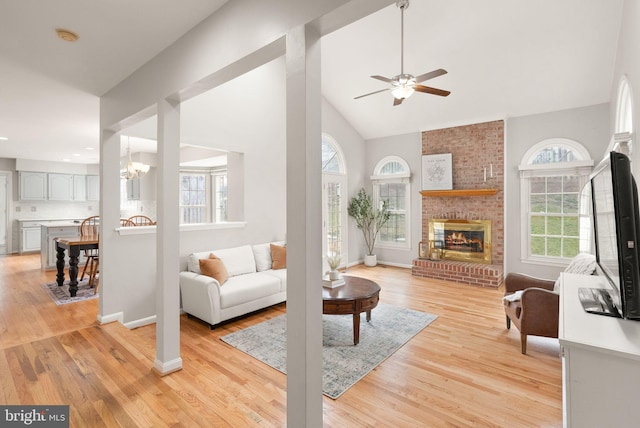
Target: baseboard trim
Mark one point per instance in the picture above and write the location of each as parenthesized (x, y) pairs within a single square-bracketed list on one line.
[(140, 322), (105, 319), (165, 368), (381, 262)]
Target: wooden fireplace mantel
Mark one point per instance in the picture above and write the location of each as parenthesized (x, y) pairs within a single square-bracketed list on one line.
[(459, 192)]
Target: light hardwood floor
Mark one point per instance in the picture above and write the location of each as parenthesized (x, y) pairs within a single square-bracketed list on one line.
[(465, 369)]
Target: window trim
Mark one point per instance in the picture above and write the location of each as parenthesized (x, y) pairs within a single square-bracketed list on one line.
[(581, 168), (404, 178)]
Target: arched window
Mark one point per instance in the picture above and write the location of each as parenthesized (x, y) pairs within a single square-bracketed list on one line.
[(332, 159), (334, 199), (624, 119), (391, 177), (552, 174)]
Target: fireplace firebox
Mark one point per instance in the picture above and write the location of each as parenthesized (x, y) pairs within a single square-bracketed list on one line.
[(462, 240)]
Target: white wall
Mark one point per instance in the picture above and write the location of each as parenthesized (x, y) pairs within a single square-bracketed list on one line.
[(263, 147), (409, 148), (587, 125)]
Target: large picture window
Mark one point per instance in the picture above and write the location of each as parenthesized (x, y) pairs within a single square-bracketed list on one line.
[(552, 175), (391, 179)]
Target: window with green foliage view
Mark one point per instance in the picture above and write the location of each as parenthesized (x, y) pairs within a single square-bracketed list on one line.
[(552, 175), (554, 216)]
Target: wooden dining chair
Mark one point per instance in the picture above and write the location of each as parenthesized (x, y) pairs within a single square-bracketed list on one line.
[(90, 226), (142, 220), (125, 222)]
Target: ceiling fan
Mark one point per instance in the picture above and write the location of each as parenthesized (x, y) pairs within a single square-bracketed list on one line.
[(403, 85)]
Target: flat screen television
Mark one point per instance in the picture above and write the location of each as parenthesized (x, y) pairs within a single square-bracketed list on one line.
[(616, 224)]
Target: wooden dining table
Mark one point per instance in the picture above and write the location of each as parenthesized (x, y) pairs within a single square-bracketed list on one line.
[(73, 245)]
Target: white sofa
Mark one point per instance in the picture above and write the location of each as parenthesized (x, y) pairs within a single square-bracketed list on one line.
[(252, 284)]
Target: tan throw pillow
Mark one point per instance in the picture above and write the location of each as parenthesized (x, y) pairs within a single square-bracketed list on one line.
[(278, 256), (215, 268)]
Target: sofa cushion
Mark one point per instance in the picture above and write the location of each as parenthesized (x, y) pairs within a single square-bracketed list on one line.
[(278, 256), (215, 268), (237, 260), (281, 274), (245, 288), (262, 254)]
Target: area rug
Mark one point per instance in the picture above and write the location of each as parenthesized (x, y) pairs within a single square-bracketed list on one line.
[(343, 363), (61, 295)]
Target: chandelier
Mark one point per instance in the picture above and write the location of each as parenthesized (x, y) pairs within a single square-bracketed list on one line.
[(133, 169)]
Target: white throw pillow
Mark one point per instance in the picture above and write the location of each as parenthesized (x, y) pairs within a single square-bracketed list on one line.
[(582, 264), (262, 253)]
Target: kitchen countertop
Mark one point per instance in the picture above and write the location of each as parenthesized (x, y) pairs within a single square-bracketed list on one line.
[(60, 223)]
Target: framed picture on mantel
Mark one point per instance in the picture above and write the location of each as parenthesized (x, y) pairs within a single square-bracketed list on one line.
[(437, 172)]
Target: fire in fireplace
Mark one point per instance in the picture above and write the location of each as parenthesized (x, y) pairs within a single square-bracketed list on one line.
[(463, 240)]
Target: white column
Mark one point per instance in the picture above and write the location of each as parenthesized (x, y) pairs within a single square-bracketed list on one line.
[(304, 259), (109, 220), (168, 240)]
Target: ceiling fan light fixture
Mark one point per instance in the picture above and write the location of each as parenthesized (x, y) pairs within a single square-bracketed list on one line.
[(403, 86), (402, 92)]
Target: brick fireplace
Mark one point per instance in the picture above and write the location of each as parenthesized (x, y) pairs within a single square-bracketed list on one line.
[(477, 199)]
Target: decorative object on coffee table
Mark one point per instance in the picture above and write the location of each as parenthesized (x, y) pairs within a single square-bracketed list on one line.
[(334, 264), (368, 219)]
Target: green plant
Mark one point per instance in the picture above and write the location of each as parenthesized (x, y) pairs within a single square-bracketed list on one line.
[(334, 261), (368, 218)]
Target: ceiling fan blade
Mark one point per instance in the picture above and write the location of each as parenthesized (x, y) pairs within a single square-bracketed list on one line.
[(430, 75), (384, 79), (433, 91), (371, 93), (397, 101)]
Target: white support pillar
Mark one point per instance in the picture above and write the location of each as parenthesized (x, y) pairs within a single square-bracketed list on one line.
[(304, 248), (168, 240), (109, 220)]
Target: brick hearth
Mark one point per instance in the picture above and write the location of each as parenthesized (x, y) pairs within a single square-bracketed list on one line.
[(468, 273)]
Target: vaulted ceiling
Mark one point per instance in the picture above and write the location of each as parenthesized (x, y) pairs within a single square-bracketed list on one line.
[(504, 58)]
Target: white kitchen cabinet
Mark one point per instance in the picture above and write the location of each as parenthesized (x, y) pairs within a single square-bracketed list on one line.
[(93, 187), (33, 186), (50, 231), (79, 188), (133, 189), (29, 237), (60, 187)]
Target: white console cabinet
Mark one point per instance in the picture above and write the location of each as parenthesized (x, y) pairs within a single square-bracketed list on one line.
[(600, 362)]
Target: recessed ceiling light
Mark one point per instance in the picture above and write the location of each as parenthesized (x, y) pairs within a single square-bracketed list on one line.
[(76, 154), (4, 138), (66, 160), (89, 148), (66, 35)]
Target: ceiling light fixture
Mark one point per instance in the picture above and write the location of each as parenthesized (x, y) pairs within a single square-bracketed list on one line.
[(4, 138), (66, 35), (133, 169)]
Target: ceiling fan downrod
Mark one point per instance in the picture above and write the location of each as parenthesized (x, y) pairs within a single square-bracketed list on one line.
[(402, 4)]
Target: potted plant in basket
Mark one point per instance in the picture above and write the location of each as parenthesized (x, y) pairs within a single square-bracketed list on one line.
[(368, 219)]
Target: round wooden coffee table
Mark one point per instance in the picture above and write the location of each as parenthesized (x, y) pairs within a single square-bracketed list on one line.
[(357, 295)]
